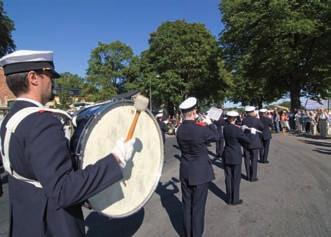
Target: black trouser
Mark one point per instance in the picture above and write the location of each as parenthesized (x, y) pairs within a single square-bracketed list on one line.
[(251, 156), (219, 146), (264, 151), (232, 182), (194, 199)]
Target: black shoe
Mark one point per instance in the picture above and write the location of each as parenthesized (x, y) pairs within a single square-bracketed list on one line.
[(238, 203), (266, 162), (254, 180)]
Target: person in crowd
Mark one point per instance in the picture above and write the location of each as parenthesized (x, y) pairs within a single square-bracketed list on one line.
[(220, 142), (251, 153), (232, 158), (162, 125), (323, 125), (46, 192), (266, 136), (276, 120), (195, 166), (284, 122)]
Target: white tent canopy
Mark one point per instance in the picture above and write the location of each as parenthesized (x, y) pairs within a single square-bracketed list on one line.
[(310, 104)]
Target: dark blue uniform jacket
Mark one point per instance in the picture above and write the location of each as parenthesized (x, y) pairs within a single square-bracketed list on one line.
[(40, 151), (267, 122), (234, 139), (220, 126), (195, 165), (256, 123)]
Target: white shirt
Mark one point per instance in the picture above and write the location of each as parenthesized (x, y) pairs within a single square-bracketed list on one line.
[(30, 100)]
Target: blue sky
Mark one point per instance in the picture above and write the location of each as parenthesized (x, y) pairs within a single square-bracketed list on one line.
[(73, 28)]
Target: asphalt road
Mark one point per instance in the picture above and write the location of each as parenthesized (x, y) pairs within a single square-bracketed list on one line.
[(291, 198)]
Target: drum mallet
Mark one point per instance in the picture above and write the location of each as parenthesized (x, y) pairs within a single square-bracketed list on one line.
[(140, 103)]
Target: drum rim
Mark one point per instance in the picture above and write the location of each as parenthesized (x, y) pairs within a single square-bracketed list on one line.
[(86, 133)]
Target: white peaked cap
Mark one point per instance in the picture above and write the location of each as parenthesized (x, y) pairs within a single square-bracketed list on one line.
[(28, 60), (188, 104), (232, 113), (249, 108)]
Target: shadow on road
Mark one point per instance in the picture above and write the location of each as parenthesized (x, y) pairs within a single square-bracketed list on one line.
[(176, 146), (171, 203), (323, 151), (217, 191), (217, 162), (317, 143), (311, 136), (100, 225)]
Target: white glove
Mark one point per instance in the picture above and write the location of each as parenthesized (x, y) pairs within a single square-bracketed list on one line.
[(123, 151), (207, 121), (243, 128), (253, 131)]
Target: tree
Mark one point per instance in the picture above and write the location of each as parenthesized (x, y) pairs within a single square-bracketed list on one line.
[(69, 85), (106, 74), (7, 44), (183, 60), (278, 46)]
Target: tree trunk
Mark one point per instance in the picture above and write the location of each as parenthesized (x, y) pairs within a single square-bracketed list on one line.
[(295, 95)]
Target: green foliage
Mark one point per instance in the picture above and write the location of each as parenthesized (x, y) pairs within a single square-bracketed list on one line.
[(66, 84), (7, 44), (278, 46), (108, 70), (183, 60)]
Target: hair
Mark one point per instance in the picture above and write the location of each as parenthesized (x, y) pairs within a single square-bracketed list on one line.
[(231, 119), (18, 83), (188, 114)]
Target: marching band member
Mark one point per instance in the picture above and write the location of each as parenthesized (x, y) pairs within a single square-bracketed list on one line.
[(251, 153), (232, 156), (220, 142), (45, 191), (195, 166), (266, 135)]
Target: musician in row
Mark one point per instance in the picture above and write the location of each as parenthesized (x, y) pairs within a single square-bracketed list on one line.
[(195, 166), (45, 190), (251, 152), (265, 136), (232, 157)]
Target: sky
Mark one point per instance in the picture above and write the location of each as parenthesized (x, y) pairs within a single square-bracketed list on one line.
[(73, 28)]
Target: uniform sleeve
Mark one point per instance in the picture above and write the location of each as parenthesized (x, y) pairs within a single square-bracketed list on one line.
[(51, 163), (210, 133), (242, 138)]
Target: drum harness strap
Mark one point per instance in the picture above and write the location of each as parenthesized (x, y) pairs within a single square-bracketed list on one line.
[(11, 126)]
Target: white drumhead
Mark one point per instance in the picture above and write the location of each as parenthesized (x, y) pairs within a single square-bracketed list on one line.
[(141, 175)]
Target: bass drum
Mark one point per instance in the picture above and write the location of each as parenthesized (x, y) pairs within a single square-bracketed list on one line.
[(98, 129)]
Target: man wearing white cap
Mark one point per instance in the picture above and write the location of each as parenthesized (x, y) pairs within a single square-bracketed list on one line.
[(195, 166), (232, 157), (251, 153), (266, 135), (162, 125), (45, 190)]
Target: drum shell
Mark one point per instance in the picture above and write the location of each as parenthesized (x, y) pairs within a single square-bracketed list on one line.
[(95, 138)]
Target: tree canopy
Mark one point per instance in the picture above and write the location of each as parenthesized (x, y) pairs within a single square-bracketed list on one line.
[(277, 46), (7, 44), (69, 86), (108, 69), (183, 60)]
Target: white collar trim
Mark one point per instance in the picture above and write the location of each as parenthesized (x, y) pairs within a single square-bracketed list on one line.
[(31, 101)]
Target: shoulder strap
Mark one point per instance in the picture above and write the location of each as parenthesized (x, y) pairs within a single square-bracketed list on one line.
[(11, 126)]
